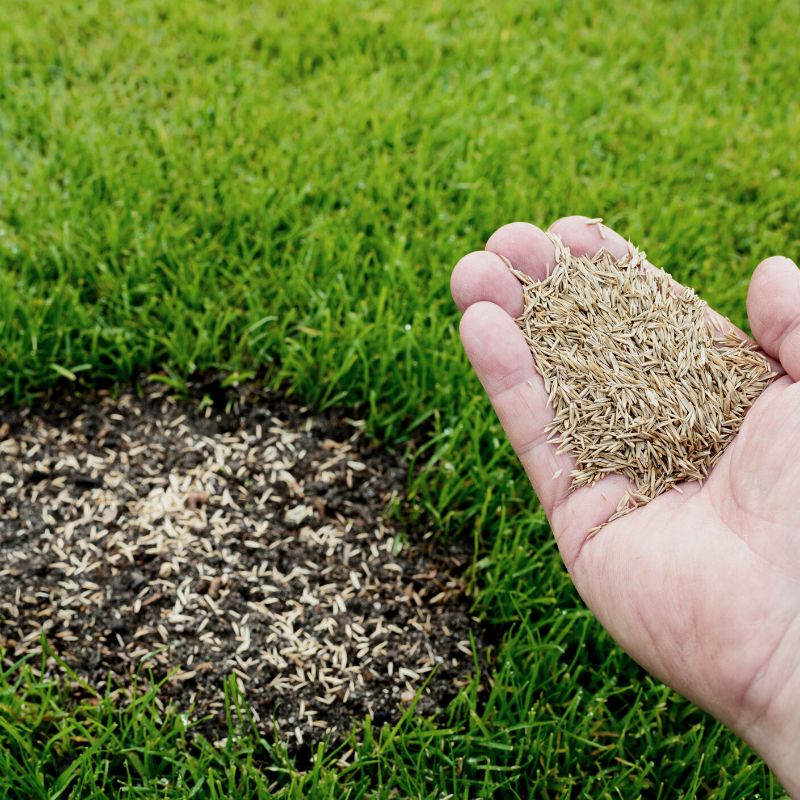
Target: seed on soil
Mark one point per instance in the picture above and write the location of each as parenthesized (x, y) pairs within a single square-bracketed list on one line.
[(640, 382), (250, 543)]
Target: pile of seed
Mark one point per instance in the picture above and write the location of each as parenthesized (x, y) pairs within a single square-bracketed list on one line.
[(640, 382), (203, 543)]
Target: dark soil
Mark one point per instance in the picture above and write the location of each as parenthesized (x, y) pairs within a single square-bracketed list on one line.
[(202, 543)]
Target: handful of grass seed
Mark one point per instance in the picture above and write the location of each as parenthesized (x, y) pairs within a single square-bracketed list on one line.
[(642, 384)]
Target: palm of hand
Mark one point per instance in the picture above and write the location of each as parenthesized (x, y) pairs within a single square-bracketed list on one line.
[(701, 587)]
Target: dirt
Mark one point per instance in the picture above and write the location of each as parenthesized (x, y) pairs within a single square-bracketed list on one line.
[(228, 534)]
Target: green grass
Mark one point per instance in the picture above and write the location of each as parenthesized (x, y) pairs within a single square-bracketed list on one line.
[(280, 189)]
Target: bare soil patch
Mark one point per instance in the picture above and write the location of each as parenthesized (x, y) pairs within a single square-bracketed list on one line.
[(205, 542)]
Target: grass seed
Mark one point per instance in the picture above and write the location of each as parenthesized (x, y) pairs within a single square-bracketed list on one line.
[(641, 384)]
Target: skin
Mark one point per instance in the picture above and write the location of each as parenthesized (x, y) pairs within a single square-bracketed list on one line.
[(702, 586)]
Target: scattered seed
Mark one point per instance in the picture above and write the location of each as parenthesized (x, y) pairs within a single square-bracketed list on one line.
[(119, 551)]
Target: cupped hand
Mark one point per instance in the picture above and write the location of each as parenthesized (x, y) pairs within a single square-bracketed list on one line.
[(702, 585)]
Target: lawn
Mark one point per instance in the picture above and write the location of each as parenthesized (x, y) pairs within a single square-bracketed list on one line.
[(278, 191)]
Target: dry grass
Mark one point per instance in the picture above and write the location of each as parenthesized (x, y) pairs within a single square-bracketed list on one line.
[(641, 383)]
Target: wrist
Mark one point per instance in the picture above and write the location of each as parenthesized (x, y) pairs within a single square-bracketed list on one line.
[(774, 733)]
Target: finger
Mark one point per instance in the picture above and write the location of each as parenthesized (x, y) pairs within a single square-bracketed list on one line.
[(501, 358), (773, 308), (526, 247), (483, 276), (585, 237)]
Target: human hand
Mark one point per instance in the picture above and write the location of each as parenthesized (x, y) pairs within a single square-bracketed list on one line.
[(701, 587)]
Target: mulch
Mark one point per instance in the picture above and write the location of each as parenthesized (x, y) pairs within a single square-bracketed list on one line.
[(245, 537)]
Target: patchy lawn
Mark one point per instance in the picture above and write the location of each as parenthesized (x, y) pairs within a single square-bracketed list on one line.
[(141, 532), (280, 189)]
